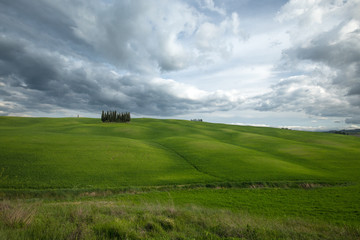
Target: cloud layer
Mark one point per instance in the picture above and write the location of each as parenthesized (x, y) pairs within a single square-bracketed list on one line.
[(322, 66), (181, 57), (97, 55)]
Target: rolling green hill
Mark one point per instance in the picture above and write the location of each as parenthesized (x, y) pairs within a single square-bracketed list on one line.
[(43, 153), (79, 178)]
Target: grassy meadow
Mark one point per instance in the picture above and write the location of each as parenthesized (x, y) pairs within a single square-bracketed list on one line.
[(79, 178)]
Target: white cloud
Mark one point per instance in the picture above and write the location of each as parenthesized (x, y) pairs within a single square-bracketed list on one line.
[(143, 36), (313, 17), (308, 128), (210, 5), (322, 60), (251, 124)]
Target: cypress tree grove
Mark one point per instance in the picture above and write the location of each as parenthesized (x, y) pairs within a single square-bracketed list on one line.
[(113, 116)]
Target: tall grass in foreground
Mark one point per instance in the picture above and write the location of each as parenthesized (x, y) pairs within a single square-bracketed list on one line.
[(116, 220)]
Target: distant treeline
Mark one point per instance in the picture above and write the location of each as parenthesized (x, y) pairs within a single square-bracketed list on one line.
[(113, 116), (196, 120)]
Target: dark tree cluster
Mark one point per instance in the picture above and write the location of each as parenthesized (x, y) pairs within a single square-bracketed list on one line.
[(343, 132), (196, 120), (113, 116)]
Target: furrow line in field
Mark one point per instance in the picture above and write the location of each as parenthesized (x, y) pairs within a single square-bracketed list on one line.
[(188, 161)]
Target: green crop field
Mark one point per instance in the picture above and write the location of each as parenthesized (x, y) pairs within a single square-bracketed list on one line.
[(79, 178)]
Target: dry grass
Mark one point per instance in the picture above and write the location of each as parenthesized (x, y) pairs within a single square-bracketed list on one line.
[(17, 215)]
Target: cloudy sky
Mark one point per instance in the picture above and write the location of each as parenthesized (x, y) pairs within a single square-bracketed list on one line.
[(266, 62)]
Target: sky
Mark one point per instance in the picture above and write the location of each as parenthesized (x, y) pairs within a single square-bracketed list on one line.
[(278, 63)]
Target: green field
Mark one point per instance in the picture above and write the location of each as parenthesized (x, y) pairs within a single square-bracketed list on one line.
[(79, 178)]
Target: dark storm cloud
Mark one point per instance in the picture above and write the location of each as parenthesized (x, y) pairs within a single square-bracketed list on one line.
[(41, 23), (34, 77), (21, 67), (37, 14), (93, 55), (41, 79)]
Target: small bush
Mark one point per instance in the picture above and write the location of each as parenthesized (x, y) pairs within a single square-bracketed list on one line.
[(166, 223)]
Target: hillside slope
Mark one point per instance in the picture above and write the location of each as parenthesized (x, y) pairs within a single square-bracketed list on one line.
[(43, 153)]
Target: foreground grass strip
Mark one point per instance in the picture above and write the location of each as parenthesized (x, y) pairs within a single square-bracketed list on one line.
[(119, 220)]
